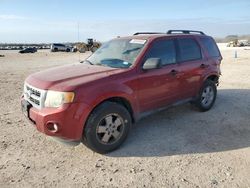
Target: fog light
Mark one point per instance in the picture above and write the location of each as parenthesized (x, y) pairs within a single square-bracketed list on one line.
[(52, 127)]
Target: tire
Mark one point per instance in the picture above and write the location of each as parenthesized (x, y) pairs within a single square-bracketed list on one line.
[(207, 96), (82, 50), (93, 49), (107, 127)]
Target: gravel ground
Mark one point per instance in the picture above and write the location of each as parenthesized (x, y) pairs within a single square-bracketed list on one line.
[(179, 147)]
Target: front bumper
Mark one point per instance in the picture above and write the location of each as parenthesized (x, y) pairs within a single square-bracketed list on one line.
[(70, 119)]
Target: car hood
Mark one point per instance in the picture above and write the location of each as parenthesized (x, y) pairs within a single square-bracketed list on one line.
[(68, 77)]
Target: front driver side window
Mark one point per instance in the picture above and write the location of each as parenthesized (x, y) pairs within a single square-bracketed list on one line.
[(163, 49)]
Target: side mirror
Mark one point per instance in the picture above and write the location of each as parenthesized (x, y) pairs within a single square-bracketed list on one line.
[(152, 63)]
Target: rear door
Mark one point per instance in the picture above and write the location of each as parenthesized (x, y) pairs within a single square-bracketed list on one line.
[(159, 87), (191, 65)]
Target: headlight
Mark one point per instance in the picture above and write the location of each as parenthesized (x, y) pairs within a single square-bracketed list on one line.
[(56, 98)]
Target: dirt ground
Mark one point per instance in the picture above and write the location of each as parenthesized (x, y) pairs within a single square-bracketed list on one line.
[(179, 147)]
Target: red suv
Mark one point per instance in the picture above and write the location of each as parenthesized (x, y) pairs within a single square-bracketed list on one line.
[(96, 101)]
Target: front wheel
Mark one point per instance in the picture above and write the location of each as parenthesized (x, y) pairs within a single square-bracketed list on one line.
[(207, 96), (107, 127)]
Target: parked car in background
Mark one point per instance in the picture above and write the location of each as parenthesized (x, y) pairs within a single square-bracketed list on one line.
[(56, 47), (97, 101), (28, 50)]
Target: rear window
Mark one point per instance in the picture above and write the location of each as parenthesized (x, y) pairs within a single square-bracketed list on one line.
[(189, 50), (210, 46), (164, 49)]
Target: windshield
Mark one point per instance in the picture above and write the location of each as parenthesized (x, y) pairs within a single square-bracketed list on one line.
[(118, 53)]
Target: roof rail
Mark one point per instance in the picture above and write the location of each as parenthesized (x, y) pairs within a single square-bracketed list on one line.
[(184, 32), (147, 33)]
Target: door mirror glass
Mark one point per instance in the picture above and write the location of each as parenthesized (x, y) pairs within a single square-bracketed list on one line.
[(152, 63)]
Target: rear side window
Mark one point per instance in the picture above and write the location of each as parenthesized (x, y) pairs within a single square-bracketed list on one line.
[(164, 49), (210, 46), (189, 50)]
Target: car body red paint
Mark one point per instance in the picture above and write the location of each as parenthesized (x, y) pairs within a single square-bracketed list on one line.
[(144, 90)]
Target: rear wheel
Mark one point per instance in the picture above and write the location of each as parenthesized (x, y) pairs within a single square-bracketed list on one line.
[(107, 127), (207, 96)]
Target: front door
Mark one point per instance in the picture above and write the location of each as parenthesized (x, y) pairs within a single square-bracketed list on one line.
[(159, 87)]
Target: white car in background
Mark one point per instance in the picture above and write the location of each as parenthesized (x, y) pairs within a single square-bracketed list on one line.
[(56, 47)]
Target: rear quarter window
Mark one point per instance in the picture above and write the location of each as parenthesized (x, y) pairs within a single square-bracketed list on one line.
[(189, 50), (210, 47)]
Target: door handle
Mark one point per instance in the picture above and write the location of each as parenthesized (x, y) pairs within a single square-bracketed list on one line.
[(203, 66), (173, 72)]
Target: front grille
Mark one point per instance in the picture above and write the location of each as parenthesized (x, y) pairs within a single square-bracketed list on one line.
[(34, 91), (34, 95), (37, 102)]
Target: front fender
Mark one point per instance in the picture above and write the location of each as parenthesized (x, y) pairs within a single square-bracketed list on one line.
[(112, 91), (93, 96)]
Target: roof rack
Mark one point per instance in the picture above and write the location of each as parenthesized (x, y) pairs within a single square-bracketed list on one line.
[(184, 32), (147, 33), (171, 32)]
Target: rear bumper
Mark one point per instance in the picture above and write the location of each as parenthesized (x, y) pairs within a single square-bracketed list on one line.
[(69, 119)]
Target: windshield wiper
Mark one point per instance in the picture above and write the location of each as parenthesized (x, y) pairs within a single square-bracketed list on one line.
[(130, 50), (89, 62)]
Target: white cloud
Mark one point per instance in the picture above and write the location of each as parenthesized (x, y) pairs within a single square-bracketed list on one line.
[(12, 17)]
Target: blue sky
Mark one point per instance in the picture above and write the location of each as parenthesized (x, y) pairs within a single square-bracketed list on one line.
[(57, 20)]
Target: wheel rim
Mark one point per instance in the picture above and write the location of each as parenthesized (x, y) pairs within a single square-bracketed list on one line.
[(110, 129), (207, 96), (94, 49)]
